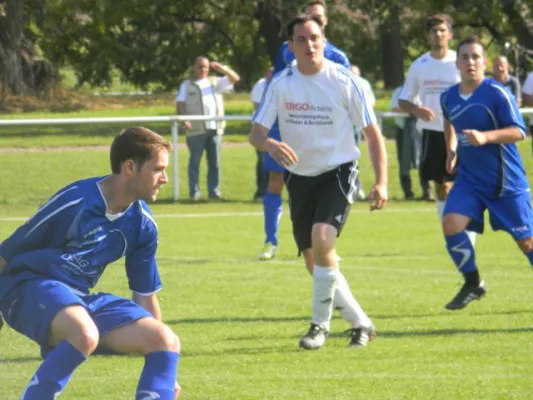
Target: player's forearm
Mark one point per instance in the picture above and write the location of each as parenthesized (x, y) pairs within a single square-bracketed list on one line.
[(378, 152), (149, 303), (259, 137), (527, 100), (449, 136), (180, 108), (503, 136), (407, 106)]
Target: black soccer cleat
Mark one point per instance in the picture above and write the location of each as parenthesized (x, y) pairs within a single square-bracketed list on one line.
[(466, 295), (361, 336), (314, 338)]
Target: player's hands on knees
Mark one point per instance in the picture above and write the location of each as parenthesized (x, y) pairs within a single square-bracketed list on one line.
[(378, 197), (281, 153), (424, 113), (475, 138), (451, 162)]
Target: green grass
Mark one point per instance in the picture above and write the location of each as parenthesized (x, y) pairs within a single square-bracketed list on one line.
[(239, 320)]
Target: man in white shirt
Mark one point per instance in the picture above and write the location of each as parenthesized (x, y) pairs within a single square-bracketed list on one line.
[(316, 103), (428, 77), (202, 95), (261, 176)]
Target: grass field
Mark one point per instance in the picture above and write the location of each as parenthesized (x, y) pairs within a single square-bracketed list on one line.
[(239, 320)]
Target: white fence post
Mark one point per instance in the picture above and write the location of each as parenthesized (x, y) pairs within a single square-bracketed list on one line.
[(175, 161)]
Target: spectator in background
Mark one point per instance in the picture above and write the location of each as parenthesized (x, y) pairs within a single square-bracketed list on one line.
[(202, 95), (261, 176), (500, 72), (371, 100), (406, 149)]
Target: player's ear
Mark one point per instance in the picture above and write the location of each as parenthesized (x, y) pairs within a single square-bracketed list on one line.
[(129, 167)]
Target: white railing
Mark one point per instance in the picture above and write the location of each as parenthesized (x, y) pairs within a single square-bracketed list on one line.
[(173, 120)]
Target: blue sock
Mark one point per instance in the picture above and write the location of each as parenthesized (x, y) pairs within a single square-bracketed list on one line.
[(158, 376), (462, 252), (272, 212), (530, 257), (54, 372)]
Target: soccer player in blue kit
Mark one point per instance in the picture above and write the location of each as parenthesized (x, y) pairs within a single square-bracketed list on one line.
[(272, 202), (49, 264), (483, 121)]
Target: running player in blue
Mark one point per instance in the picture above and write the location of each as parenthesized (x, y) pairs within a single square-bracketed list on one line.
[(272, 203), (483, 121), (49, 265)]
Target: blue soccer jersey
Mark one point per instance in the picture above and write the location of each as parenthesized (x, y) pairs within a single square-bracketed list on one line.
[(71, 239), (493, 169)]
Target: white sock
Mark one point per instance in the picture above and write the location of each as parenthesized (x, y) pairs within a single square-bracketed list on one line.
[(324, 282), (440, 208), (349, 308), (472, 236)]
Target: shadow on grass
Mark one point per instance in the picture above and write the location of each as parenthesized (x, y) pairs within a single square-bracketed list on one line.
[(19, 360), (234, 320)]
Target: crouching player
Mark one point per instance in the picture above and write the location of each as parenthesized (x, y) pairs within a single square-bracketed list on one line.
[(52, 261)]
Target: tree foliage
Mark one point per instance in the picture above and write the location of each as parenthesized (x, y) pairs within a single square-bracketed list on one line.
[(151, 43)]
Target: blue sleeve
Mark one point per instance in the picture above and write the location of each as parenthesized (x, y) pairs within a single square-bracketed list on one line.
[(342, 59), (507, 113), (48, 227), (279, 61), (141, 264)]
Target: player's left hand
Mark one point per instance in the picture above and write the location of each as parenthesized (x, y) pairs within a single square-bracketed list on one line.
[(475, 138), (379, 196)]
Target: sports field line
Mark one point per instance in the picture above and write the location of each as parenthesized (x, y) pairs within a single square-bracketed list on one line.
[(249, 214)]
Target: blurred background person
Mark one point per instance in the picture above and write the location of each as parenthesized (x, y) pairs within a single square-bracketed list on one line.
[(406, 149), (500, 73), (202, 95), (261, 176), (527, 99)]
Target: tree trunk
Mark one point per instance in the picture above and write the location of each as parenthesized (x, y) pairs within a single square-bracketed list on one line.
[(11, 37), (392, 54), (270, 25)]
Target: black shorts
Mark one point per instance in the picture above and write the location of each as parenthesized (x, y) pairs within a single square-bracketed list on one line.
[(433, 158), (323, 198)]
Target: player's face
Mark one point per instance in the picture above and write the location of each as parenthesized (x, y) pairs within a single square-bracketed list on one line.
[(471, 62), (307, 44), (500, 68), (201, 68), (317, 11), (151, 176), (439, 36)]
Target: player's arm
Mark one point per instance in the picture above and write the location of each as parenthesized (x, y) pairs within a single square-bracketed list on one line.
[(279, 60), (227, 71), (378, 156), (150, 303), (507, 116)]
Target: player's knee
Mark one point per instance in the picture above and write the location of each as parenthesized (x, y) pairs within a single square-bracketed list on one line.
[(451, 225), (86, 339), (526, 245), (323, 239), (161, 338), (275, 182)]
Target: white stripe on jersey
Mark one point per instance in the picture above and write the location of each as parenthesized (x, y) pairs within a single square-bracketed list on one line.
[(147, 215), (70, 204), (508, 98), (51, 200)]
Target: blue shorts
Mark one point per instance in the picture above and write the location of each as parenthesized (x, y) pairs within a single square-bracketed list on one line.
[(33, 301), (511, 213), (268, 162)]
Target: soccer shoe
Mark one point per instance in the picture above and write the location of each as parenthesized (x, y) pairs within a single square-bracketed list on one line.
[(268, 252), (466, 295), (314, 338), (361, 336)]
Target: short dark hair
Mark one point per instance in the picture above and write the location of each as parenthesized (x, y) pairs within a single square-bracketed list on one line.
[(299, 20), (437, 19), (314, 3), (135, 143), (471, 39)]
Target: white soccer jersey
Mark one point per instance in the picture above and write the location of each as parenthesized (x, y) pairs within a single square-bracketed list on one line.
[(427, 78), (258, 89), (316, 114)]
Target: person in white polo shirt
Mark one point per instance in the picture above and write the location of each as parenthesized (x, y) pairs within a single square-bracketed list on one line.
[(428, 77), (316, 103)]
